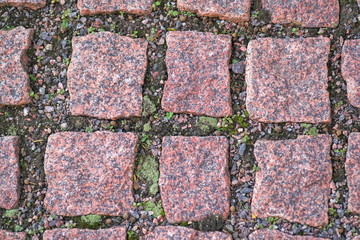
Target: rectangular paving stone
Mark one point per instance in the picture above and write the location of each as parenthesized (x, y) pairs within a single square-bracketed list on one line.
[(294, 179), (350, 69), (352, 168), (194, 179), (115, 233), (181, 233), (90, 173), (106, 75), (307, 13), (5, 235), (14, 81), (32, 4), (231, 10), (9, 172), (198, 74), (266, 234), (91, 7), (287, 80)]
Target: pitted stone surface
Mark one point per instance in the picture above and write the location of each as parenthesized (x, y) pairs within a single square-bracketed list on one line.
[(198, 74), (287, 80), (294, 179), (181, 233), (351, 70), (194, 179), (231, 10), (91, 7), (9, 172), (90, 173), (266, 234), (352, 167), (14, 81), (4, 235), (106, 75), (32, 4), (307, 13), (116, 233)]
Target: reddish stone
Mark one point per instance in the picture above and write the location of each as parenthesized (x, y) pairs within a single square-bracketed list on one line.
[(357, 237), (307, 13), (181, 233), (9, 172), (266, 234), (106, 75), (235, 11), (194, 179), (352, 167), (14, 81), (90, 173), (91, 7), (287, 80), (351, 71), (294, 179), (198, 74), (4, 235), (115, 233), (32, 4)]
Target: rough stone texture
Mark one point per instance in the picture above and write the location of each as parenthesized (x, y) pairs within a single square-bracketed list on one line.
[(90, 173), (307, 13), (14, 81), (181, 233), (32, 4), (294, 179), (198, 74), (231, 10), (116, 233), (4, 235), (352, 167), (287, 80), (9, 172), (106, 75), (194, 179), (91, 7), (357, 237), (266, 234), (351, 71)]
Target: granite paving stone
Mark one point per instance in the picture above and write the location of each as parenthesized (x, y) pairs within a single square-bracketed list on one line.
[(194, 179), (14, 81), (293, 182), (181, 233), (350, 70), (287, 80), (5, 235), (91, 7), (307, 13), (266, 234), (352, 168), (90, 173), (9, 172), (198, 74), (32, 4), (231, 10), (115, 233), (106, 75)]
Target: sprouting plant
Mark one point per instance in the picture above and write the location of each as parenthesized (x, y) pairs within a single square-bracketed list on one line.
[(169, 115)]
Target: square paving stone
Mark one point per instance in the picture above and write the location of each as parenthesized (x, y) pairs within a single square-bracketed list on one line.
[(351, 70), (307, 13), (198, 74), (90, 173), (91, 7), (32, 4), (14, 81), (4, 235), (236, 11), (194, 179), (181, 233), (116, 233), (106, 75), (287, 80), (9, 172), (266, 234), (352, 167), (293, 182)]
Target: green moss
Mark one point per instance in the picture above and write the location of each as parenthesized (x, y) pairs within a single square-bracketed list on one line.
[(147, 127), (148, 106), (11, 213), (204, 128), (149, 172), (156, 209), (91, 221), (208, 121)]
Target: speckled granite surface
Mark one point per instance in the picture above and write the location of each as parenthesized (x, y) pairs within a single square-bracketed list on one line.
[(293, 182), (32, 4), (90, 7), (4, 235), (115, 233), (266, 234)]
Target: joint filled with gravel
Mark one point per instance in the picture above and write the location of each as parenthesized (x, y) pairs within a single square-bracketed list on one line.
[(266, 234), (118, 233), (91, 7), (181, 233)]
